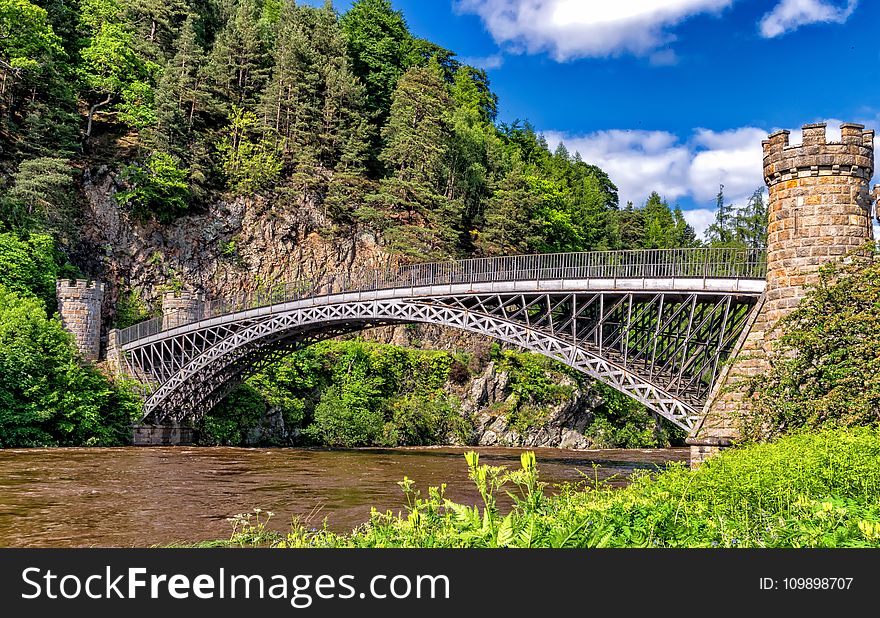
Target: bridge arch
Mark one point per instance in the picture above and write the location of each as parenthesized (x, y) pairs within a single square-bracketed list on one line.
[(658, 339), (206, 379)]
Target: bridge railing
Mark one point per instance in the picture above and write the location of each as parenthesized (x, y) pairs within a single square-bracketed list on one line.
[(703, 263)]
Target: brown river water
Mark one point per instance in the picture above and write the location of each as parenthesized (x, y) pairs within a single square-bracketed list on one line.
[(130, 497)]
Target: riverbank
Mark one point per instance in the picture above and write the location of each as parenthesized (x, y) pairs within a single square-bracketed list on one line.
[(817, 489)]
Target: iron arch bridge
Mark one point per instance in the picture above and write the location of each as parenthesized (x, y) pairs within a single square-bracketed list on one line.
[(655, 325)]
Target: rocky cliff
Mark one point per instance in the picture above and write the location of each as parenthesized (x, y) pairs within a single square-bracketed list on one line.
[(240, 245)]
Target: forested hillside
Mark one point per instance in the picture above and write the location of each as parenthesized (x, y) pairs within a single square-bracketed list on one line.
[(199, 99), (190, 104)]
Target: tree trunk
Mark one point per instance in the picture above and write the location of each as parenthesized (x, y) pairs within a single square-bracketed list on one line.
[(92, 111)]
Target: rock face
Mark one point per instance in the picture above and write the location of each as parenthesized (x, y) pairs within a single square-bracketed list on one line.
[(563, 425), (241, 245)]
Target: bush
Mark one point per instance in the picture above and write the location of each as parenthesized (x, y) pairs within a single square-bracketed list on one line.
[(534, 387), (159, 188), (131, 309), (621, 422), (47, 397), (419, 419), (28, 265), (825, 367), (229, 423)]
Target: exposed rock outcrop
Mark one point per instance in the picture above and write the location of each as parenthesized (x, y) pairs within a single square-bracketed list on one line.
[(241, 245)]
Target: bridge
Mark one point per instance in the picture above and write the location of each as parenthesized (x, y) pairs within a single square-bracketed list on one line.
[(656, 325)]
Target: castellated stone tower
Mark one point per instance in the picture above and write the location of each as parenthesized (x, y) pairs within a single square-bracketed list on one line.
[(179, 308), (819, 210), (79, 304)]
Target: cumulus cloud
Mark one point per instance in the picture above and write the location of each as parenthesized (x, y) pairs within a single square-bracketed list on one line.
[(640, 162), (700, 219), (790, 15), (570, 29), (690, 168)]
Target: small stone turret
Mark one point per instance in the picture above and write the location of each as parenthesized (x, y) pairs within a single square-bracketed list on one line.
[(819, 210), (179, 308), (79, 305)]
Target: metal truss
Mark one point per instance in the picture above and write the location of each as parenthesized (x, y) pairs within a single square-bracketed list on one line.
[(663, 349)]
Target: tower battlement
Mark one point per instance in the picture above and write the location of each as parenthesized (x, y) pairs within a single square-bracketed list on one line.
[(853, 155), (79, 288), (181, 307)]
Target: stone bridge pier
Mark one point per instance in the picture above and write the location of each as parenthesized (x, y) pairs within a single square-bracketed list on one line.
[(819, 210)]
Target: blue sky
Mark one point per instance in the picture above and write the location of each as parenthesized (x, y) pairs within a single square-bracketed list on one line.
[(667, 95)]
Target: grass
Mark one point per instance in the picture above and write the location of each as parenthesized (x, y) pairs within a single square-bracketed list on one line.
[(806, 490)]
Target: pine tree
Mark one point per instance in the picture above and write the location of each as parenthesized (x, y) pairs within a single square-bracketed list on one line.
[(41, 195), (750, 222), (416, 138), (237, 66), (380, 47), (181, 95), (156, 24), (721, 232), (508, 220), (313, 103)]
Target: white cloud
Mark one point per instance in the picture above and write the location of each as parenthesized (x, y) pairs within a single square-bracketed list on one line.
[(732, 158), (494, 61), (570, 29), (790, 15), (700, 219), (640, 162)]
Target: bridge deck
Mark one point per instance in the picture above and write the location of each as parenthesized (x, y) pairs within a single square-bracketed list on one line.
[(739, 287)]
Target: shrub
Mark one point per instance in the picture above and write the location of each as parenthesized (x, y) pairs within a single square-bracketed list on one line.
[(28, 265), (159, 188), (825, 366), (229, 423), (47, 397)]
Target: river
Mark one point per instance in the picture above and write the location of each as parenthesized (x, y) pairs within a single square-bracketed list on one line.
[(137, 497)]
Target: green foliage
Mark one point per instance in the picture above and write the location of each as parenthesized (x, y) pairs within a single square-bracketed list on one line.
[(159, 188), (807, 490), (534, 388), (250, 163), (825, 365), (131, 310), (47, 397), (621, 422), (26, 36), (418, 419), (347, 416), (229, 422), (110, 66), (28, 265), (378, 41)]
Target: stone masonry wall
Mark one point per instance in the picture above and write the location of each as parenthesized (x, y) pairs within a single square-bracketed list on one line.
[(180, 308), (819, 210), (79, 304)]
